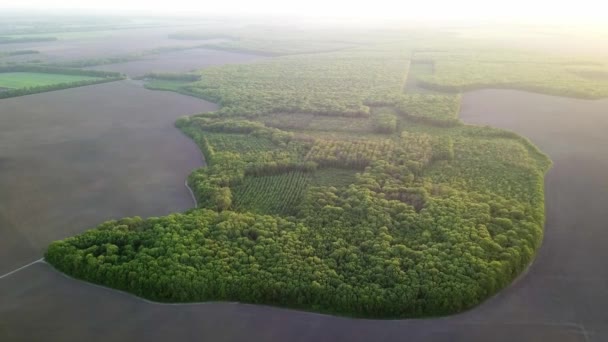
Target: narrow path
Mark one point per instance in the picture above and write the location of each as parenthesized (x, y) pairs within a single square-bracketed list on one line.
[(191, 194), (21, 268)]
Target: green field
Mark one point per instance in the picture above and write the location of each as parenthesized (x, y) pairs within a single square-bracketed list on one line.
[(16, 80)]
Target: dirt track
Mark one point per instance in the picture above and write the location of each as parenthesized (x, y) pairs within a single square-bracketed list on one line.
[(561, 298)]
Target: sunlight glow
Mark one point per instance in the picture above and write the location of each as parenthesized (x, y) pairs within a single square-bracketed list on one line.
[(418, 10)]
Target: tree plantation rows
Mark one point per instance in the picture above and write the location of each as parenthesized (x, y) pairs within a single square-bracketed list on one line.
[(408, 213), (275, 194)]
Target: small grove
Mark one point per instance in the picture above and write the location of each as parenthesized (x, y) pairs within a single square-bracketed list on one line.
[(410, 214)]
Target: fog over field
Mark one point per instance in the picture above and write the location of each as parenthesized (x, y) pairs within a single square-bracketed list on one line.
[(319, 171)]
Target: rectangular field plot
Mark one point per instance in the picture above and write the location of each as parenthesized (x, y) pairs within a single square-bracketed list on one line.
[(17, 80), (277, 194)]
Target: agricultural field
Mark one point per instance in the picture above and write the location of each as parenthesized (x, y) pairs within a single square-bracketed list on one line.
[(22, 80)]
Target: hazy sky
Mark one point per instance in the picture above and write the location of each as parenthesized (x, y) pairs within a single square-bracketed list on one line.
[(545, 10)]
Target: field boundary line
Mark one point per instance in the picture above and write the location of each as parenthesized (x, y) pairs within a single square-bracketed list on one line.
[(21, 268), (191, 193), (129, 294)]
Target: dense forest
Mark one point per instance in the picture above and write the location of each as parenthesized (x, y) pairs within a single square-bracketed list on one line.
[(328, 188), (465, 70)]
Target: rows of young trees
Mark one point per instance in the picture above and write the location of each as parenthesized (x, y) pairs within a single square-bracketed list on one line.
[(276, 194)]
